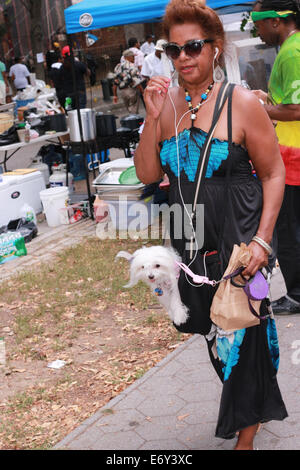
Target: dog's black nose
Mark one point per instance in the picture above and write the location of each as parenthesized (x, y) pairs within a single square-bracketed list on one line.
[(151, 276)]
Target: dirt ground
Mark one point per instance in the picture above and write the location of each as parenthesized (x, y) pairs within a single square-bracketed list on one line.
[(107, 337)]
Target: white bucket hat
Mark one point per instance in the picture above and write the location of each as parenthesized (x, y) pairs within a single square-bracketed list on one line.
[(159, 45)]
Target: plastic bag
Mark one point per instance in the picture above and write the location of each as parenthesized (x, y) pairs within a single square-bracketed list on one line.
[(28, 213), (12, 245)]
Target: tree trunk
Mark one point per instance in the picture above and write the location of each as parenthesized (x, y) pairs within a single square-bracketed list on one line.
[(36, 35)]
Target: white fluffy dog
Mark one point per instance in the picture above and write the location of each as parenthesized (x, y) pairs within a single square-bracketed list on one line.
[(156, 267)]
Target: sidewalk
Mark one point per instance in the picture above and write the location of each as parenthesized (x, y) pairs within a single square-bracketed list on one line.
[(50, 241), (174, 406), (95, 100)]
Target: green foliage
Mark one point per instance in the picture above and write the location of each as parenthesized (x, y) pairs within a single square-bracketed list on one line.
[(245, 20)]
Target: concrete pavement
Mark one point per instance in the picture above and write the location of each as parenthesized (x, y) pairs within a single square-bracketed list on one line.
[(174, 406)]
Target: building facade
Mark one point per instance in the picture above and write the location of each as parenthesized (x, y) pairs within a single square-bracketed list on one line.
[(16, 21), (16, 34)]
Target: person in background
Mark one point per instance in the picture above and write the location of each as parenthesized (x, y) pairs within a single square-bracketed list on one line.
[(4, 84), (127, 80), (157, 63), (65, 80), (19, 74), (52, 55), (148, 46), (92, 66), (134, 46), (278, 24), (54, 77)]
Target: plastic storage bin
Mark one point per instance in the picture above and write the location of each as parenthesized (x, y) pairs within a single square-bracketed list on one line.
[(20, 103), (16, 190)]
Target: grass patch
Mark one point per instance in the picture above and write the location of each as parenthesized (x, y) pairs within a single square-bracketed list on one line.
[(75, 309), (84, 273), (56, 299), (24, 328)]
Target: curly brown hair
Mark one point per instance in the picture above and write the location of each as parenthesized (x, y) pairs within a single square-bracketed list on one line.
[(194, 11)]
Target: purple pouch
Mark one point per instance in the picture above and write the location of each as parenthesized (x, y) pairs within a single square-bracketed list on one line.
[(256, 288)]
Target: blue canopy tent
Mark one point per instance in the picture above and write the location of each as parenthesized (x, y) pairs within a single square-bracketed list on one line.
[(95, 14)]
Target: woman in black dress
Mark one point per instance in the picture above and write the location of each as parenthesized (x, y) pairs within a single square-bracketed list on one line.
[(175, 130)]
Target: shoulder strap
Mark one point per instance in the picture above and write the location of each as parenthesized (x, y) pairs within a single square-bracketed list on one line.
[(217, 105), (228, 169), (204, 152), (204, 155)]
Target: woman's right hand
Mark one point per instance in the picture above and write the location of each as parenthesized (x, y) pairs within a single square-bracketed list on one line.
[(155, 95)]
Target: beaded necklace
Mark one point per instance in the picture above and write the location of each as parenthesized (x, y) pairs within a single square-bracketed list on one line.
[(203, 98)]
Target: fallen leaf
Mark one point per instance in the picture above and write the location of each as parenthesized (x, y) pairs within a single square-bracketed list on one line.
[(46, 425), (69, 315), (180, 418), (56, 407)]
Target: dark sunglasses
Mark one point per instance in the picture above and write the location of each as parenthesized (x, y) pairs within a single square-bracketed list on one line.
[(191, 48)]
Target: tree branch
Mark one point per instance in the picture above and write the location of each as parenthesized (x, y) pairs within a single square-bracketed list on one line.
[(25, 4)]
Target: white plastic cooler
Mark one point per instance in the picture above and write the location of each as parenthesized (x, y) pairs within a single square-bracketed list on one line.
[(18, 189)]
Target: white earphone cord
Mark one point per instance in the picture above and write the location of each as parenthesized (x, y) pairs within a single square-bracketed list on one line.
[(176, 126)]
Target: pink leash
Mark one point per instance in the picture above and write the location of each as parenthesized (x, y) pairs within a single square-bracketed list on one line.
[(196, 278)]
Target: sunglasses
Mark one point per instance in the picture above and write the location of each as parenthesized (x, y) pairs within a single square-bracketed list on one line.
[(191, 48)]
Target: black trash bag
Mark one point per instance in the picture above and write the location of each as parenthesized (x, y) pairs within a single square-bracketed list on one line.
[(52, 154), (27, 229), (10, 136)]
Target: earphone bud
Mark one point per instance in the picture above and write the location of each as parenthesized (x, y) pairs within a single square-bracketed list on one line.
[(217, 52)]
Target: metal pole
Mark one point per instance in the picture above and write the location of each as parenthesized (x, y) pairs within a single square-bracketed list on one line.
[(83, 145)]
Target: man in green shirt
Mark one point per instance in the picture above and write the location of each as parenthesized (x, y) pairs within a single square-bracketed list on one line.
[(278, 24)]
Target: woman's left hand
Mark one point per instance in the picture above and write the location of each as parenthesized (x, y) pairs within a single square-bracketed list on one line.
[(258, 260)]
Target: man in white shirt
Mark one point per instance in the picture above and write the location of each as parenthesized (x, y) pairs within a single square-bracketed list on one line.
[(157, 63), (20, 74), (148, 45), (134, 46)]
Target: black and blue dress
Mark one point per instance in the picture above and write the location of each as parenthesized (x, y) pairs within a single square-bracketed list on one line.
[(245, 360)]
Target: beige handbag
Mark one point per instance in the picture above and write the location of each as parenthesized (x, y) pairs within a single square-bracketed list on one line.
[(230, 308)]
